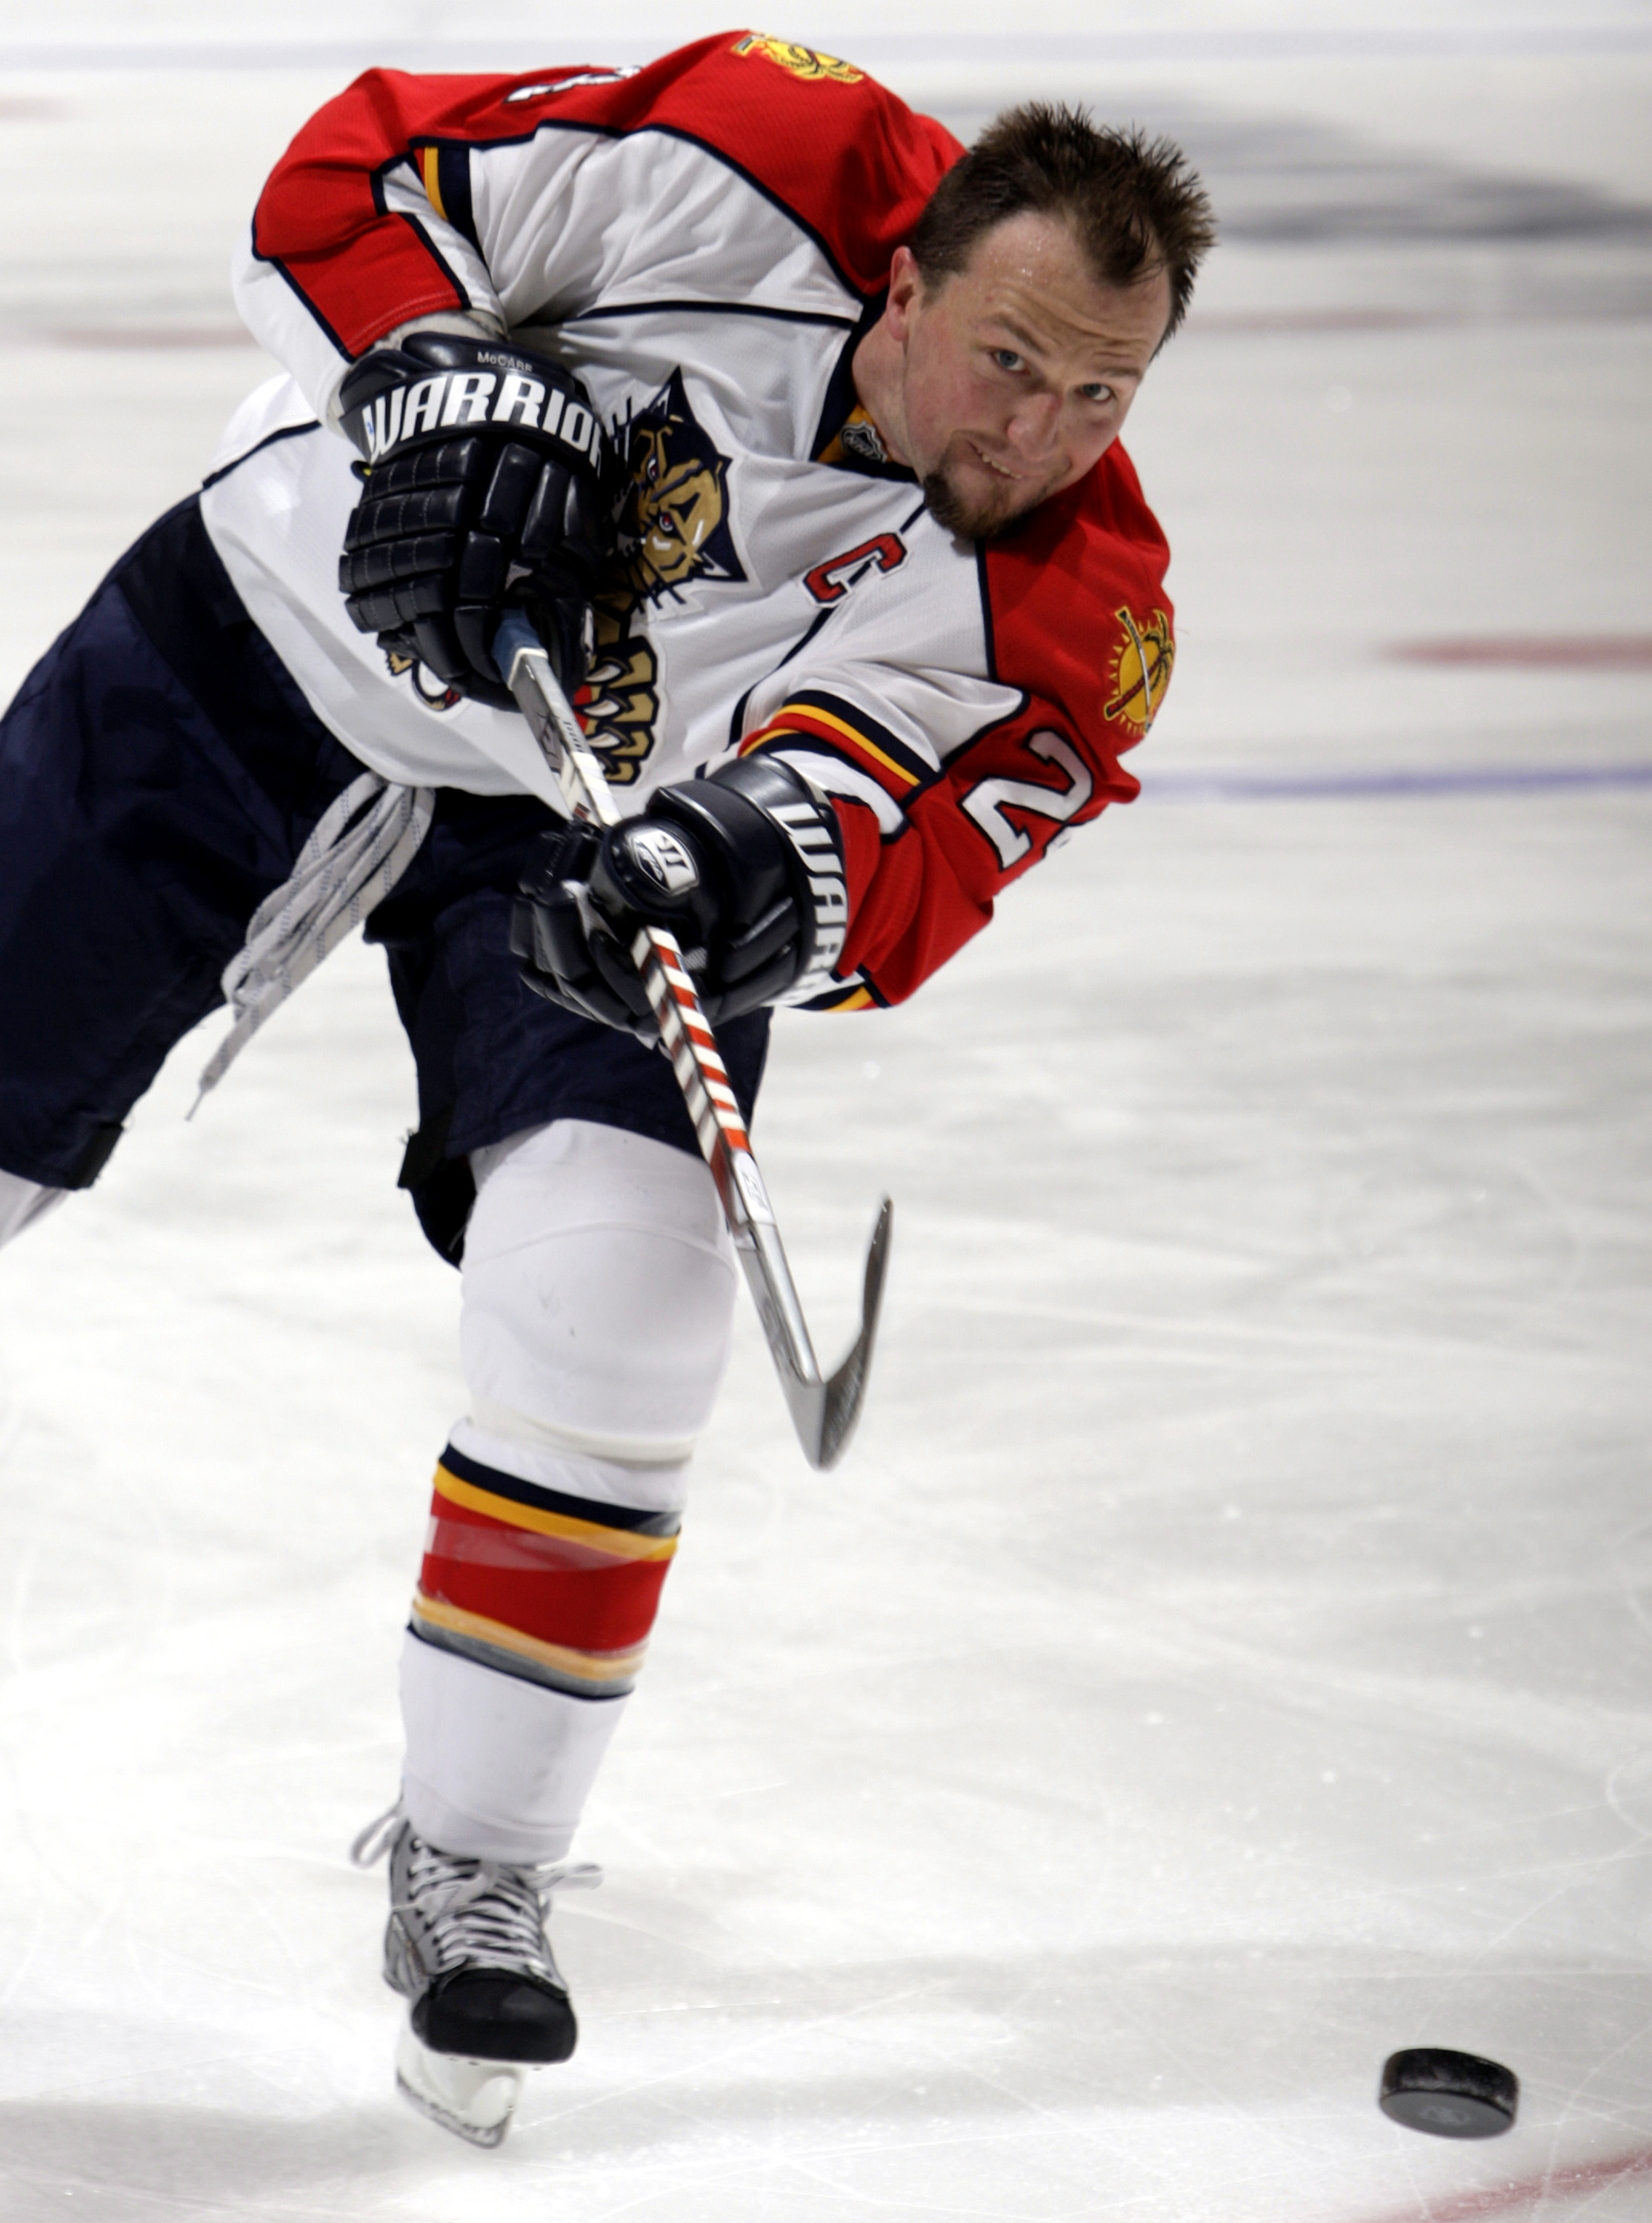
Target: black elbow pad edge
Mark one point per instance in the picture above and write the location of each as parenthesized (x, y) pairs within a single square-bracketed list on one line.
[(765, 823)]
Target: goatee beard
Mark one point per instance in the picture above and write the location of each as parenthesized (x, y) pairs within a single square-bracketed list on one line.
[(966, 521)]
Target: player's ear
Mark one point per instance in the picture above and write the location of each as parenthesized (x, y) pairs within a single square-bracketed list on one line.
[(906, 285)]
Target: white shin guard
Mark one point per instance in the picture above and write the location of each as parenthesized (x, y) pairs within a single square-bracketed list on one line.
[(598, 1297)]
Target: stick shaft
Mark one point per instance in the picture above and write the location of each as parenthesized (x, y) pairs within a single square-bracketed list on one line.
[(720, 1125)]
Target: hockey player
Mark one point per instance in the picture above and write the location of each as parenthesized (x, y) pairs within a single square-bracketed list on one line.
[(795, 436)]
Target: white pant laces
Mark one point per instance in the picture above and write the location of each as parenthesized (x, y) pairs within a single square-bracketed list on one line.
[(370, 1845), (363, 844)]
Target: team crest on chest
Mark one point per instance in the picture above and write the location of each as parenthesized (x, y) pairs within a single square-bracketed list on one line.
[(802, 61), (1140, 671), (674, 532)]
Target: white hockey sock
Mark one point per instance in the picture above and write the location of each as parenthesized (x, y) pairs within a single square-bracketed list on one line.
[(497, 1768), (599, 1288)]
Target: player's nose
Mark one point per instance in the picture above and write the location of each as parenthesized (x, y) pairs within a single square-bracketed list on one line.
[(1035, 425)]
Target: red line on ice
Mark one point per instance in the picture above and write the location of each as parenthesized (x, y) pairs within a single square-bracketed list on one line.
[(1629, 651), (226, 334), (1506, 2199), (1210, 323), (1319, 320)]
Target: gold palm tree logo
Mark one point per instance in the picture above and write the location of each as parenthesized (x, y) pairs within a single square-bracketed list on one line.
[(1141, 669)]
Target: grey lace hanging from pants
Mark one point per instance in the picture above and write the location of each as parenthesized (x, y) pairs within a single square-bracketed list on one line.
[(361, 845)]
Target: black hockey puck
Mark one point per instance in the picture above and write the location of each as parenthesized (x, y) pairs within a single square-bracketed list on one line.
[(1449, 2095)]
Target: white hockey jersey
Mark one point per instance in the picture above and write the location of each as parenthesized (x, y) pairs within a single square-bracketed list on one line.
[(703, 242)]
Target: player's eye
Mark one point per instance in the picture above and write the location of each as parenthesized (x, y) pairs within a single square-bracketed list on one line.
[(1007, 359), (1096, 392)]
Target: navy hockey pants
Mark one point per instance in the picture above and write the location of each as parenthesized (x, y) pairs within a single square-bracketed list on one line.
[(160, 770)]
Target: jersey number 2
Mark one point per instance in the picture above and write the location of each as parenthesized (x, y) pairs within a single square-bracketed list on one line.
[(985, 801)]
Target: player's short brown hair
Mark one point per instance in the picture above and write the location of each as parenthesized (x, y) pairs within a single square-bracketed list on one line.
[(1135, 203)]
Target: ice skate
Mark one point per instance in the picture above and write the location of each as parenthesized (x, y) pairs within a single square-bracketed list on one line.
[(466, 1946)]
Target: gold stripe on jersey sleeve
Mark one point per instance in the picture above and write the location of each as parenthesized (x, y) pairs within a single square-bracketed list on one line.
[(428, 161), (816, 716)]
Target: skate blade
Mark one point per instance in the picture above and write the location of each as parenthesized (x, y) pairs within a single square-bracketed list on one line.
[(475, 2100)]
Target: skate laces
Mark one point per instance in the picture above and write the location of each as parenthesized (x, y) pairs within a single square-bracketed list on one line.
[(485, 1913)]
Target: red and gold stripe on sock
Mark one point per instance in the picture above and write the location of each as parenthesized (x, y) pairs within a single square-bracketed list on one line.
[(540, 1584)]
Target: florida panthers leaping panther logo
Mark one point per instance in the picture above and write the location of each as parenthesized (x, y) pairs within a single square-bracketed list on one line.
[(672, 530)]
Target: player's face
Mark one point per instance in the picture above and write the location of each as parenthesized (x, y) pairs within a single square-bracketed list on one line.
[(1018, 372)]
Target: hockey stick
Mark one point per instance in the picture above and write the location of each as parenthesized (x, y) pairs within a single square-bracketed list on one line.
[(824, 1409)]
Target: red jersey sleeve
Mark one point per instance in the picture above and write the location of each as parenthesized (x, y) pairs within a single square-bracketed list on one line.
[(1080, 626), (851, 163)]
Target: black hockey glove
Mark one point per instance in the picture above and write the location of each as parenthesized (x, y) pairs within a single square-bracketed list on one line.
[(486, 486), (745, 868)]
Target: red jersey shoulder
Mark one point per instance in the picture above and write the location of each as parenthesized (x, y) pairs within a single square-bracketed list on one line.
[(850, 163), (841, 152), (1076, 604)]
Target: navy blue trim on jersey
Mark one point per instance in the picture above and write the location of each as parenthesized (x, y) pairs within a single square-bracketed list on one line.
[(461, 295), (703, 308), (922, 774), (1023, 703), (823, 618), (460, 289), (841, 399), (918, 768), (793, 739), (797, 647), (453, 181), (786, 738), (986, 611), (281, 432), (736, 723), (599, 1511), (275, 263)]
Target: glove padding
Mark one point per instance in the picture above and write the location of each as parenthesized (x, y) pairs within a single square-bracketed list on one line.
[(745, 868), (486, 486)]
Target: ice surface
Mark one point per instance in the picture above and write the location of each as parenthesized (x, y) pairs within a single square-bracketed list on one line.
[(1224, 1657)]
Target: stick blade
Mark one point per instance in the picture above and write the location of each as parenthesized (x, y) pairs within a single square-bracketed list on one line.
[(825, 1413)]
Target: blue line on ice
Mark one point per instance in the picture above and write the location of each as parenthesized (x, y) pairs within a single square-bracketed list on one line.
[(1300, 787)]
